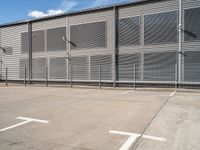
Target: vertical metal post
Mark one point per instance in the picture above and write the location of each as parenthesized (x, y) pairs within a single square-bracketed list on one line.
[(176, 76), (99, 77), (6, 76), (46, 76), (71, 81), (134, 74), (115, 51), (180, 41), (30, 51), (25, 76)]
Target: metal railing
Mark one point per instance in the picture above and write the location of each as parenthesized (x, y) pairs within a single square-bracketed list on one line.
[(133, 75)]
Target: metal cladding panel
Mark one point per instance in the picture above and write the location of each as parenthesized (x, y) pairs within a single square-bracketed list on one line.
[(190, 3), (39, 68), (58, 68), (95, 17), (159, 66), (192, 24), (24, 63), (149, 8), (38, 41), (11, 41), (105, 63), (55, 39), (161, 28), (129, 31), (128, 67), (79, 67), (24, 42), (90, 35), (48, 24), (192, 66), (146, 9)]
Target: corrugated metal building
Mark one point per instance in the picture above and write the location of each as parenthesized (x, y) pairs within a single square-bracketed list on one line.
[(135, 41)]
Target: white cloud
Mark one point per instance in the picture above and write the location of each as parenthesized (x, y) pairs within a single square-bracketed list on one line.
[(66, 5), (39, 14)]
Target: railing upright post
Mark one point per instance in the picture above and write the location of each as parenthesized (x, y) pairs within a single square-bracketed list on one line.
[(100, 77), (176, 76), (71, 80), (25, 76), (134, 74), (6, 76), (46, 76)]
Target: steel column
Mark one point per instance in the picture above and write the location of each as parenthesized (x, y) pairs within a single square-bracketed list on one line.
[(30, 50)]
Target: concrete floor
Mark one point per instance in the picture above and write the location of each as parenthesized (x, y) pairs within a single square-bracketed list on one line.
[(80, 118)]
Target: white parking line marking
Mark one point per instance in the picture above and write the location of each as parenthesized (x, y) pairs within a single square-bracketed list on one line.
[(27, 120), (133, 137), (129, 142), (14, 126), (127, 92), (154, 138), (172, 94), (34, 120)]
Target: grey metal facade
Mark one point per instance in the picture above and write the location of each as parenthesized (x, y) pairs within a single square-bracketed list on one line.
[(137, 41)]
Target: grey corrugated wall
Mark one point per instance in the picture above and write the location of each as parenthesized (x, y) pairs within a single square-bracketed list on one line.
[(11, 36)]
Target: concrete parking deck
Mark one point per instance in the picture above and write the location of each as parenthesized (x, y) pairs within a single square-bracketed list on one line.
[(92, 119)]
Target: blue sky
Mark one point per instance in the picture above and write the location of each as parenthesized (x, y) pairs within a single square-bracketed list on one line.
[(14, 10)]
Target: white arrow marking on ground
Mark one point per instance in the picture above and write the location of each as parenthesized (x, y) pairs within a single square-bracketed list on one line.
[(27, 120), (133, 137)]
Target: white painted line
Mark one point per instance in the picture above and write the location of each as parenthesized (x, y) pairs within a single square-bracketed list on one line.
[(172, 94), (123, 133), (155, 138), (27, 120), (127, 92), (133, 137), (34, 120), (14, 126), (129, 142)]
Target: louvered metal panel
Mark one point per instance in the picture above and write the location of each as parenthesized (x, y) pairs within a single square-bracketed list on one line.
[(192, 24), (90, 35), (160, 66), (128, 31), (128, 68), (38, 41), (58, 68), (160, 28), (79, 66), (55, 39), (103, 61), (11, 41), (24, 42), (192, 66), (24, 63), (39, 68)]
